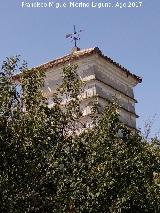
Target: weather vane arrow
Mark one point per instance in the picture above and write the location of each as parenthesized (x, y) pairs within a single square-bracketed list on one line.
[(75, 36)]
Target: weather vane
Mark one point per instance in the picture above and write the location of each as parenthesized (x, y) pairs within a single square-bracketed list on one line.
[(75, 36)]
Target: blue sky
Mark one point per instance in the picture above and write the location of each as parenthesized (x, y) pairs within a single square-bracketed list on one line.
[(130, 36)]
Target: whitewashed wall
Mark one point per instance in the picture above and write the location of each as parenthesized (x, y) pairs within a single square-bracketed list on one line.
[(103, 79)]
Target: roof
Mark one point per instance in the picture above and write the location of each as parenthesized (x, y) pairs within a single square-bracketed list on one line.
[(83, 53)]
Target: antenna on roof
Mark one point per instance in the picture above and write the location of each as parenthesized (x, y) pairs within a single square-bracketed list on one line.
[(75, 36)]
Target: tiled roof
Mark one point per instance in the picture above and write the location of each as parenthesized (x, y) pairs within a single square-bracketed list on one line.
[(83, 53)]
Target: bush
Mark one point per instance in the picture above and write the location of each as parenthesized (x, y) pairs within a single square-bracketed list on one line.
[(47, 167)]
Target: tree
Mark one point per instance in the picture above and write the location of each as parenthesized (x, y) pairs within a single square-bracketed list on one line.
[(47, 167)]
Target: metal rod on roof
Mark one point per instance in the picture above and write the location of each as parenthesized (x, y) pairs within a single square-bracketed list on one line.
[(75, 38)]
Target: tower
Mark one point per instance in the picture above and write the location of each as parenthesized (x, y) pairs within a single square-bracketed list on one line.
[(104, 78)]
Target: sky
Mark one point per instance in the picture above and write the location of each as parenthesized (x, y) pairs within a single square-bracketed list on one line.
[(129, 35)]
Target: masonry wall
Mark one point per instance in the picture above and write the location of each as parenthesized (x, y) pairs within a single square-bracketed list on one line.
[(102, 79)]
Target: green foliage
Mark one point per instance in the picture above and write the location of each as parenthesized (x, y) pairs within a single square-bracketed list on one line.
[(47, 167)]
